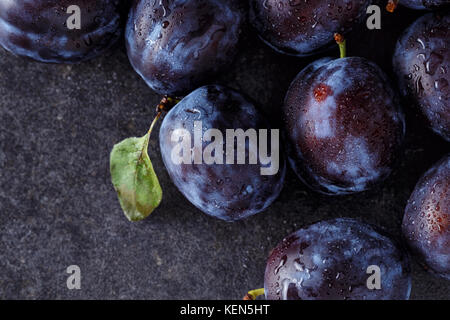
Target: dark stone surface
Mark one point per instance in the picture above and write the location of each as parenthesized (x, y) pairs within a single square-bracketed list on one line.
[(57, 206)]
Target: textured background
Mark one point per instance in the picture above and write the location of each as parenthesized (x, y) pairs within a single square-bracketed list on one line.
[(57, 205)]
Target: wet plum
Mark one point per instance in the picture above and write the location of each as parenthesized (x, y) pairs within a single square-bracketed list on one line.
[(426, 224), (421, 62), (229, 191), (424, 4), (38, 29), (176, 45), (343, 125), (304, 27), (331, 260)]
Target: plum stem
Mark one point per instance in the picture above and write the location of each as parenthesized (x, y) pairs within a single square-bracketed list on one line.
[(253, 294), (340, 40), (392, 5), (166, 103)]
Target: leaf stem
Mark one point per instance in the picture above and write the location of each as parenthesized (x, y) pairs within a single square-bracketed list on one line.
[(253, 294), (340, 40), (158, 115), (147, 136), (165, 104)]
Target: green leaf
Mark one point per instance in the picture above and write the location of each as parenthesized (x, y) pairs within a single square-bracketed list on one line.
[(134, 179)]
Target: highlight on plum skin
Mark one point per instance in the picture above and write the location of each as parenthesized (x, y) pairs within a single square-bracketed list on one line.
[(344, 127), (226, 191), (178, 45), (330, 260), (426, 224), (421, 63), (304, 28), (424, 4), (38, 29)]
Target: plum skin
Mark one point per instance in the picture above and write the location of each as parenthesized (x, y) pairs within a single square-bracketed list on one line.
[(426, 223), (226, 191), (329, 260), (343, 124), (421, 63), (178, 46), (303, 28), (37, 29), (424, 4)]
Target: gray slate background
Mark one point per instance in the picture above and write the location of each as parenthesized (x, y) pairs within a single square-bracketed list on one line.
[(57, 205)]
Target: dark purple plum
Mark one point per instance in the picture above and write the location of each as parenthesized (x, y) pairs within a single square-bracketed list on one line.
[(329, 260), (302, 28), (38, 29), (421, 62), (424, 4), (177, 45), (343, 125), (426, 224), (226, 191)]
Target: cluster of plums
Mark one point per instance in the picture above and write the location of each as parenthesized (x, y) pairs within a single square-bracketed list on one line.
[(343, 124)]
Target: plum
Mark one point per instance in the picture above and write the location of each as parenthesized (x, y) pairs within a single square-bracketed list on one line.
[(177, 45), (426, 224), (334, 259), (343, 124), (38, 29), (421, 63), (229, 190), (303, 28)]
